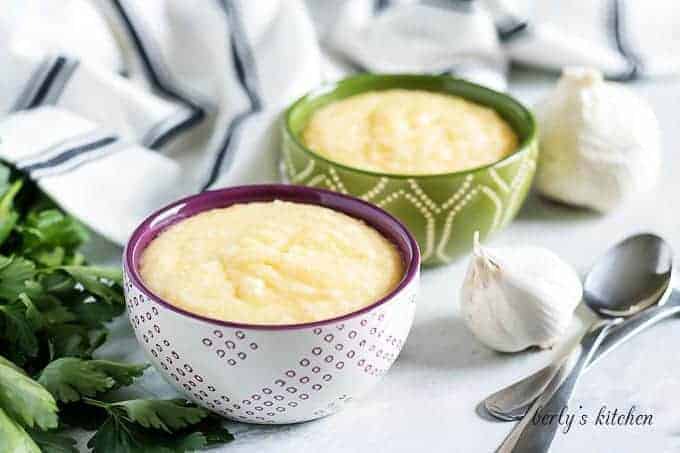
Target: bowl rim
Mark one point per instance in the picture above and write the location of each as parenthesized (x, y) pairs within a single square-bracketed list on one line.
[(329, 87), (155, 223)]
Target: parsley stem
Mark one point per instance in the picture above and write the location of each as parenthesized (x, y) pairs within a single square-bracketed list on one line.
[(96, 403)]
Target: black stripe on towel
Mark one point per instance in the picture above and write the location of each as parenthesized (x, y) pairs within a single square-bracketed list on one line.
[(56, 148), (76, 162), (163, 130), (244, 66), (510, 30), (459, 6), (44, 88), (70, 153), (59, 84), (193, 119), (616, 25), (163, 86), (380, 5), (47, 83), (32, 85)]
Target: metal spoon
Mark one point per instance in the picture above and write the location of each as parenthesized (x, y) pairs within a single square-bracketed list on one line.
[(530, 437), (644, 262), (512, 403), (624, 282)]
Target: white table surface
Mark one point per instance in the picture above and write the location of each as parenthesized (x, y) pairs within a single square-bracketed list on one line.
[(426, 403)]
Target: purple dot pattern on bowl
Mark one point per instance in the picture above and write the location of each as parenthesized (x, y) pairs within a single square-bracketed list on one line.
[(322, 369)]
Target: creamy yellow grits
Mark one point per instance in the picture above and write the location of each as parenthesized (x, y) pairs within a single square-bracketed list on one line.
[(271, 263), (409, 132)]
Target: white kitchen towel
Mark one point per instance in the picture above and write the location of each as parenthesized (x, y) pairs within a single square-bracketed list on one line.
[(116, 107), (477, 39)]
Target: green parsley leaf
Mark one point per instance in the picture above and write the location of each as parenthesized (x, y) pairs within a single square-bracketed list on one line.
[(70, 378), (53, 311), (32, 314), (14, 437), (17, 276), (117, 435), (168, 415), (123, 374), (24, 400), (213, 430), (100, 281), (93, 312), (53, 442), (49, 236), (8, 215), (5, 174), (74, 340), (19, 331), (138, 426), (57, 283)]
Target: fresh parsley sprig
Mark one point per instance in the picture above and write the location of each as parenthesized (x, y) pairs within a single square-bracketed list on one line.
[(155, 426), (70, 378), (54, 310)]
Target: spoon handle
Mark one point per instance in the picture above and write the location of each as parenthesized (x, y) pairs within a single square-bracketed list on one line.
[(536, 437), (636, 324), (557, 379), (513, 401)]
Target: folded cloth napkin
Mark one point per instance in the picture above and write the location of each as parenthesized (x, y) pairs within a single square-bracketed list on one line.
[(116, 107)]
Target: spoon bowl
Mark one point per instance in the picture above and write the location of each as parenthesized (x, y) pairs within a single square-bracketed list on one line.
[(630, 277)]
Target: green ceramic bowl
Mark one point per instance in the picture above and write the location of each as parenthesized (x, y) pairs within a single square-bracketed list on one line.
[(442, 210)]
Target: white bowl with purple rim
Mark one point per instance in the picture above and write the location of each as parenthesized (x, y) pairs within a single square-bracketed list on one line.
[(272, 373)]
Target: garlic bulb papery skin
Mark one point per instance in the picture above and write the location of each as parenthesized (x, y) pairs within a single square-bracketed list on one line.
[(516, 297), (599, 142)]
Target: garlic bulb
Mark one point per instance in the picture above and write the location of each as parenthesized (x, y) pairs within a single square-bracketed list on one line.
[(600, 142), (516, 297)]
